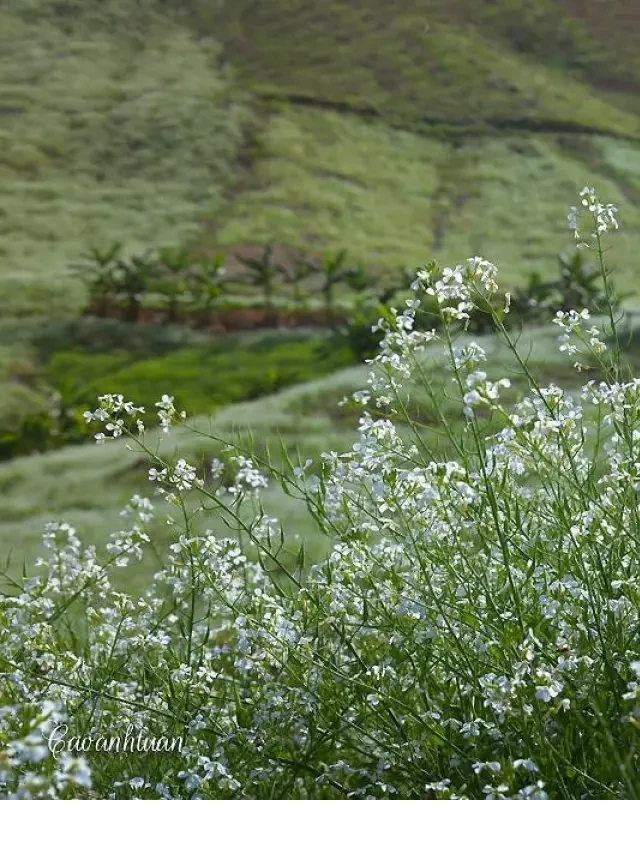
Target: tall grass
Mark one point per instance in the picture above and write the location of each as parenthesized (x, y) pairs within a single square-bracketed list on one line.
[(119, 125)]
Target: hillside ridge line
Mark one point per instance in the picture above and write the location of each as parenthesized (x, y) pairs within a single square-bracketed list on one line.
[(456, 125)]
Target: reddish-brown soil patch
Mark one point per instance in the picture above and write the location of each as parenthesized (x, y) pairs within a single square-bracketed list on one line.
[(231, 319)]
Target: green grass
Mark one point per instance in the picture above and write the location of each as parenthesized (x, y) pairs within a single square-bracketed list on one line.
[(454, 61), (404, 199), (204, 377), (115, 127), (88, 485), (107, 356)]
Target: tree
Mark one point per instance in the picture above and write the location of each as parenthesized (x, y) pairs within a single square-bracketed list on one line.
[(334, 270), (133, 277), (360, 280), (98, 269), (174, 266), (262, 272), (295, 274), (206, 282)]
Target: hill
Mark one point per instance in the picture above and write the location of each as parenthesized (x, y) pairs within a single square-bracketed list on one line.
[(232, 121), (399, 131), (543, 64)]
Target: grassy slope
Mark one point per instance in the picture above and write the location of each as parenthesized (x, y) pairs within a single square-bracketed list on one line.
[(408, 185), (118, 121), (450, 60), (88, 485), (397, 198), (115, 126), (326, 177)]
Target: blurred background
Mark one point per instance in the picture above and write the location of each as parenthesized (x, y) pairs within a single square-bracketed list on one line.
[(216, 198)]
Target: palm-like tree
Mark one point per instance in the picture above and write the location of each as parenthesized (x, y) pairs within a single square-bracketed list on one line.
[(133, 277), (176, 261), (206, 282), (334, 270), (174, 266), (98, 269), (262, 272), (294, 275), (362, 281)]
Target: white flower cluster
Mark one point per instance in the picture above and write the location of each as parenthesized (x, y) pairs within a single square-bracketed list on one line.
[(477, 277), (111, 411), (600, 217), (28, 770), (571, 324), (481, 391), (469, 356), (248, 478), (181, 476), (167, 412)]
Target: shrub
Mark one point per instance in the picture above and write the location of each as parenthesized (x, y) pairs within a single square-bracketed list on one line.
[(103, 335), (206, 285), (210, 373), (48, 429), (360, 334), (471, 633)]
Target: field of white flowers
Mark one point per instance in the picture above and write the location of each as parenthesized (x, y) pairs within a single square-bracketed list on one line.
[(473, 632)]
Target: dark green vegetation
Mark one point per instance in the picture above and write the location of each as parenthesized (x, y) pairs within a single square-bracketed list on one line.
[(143, 363)]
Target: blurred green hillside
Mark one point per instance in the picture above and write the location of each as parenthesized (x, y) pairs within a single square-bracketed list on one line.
[(164, 122), (114, 126), (400, 131), (542, 64)]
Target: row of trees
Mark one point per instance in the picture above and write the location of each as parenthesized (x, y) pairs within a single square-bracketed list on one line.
[(181, 280), (168, 272), (184, 282)]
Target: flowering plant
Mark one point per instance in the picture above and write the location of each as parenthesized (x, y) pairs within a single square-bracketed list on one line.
[(472, 631)]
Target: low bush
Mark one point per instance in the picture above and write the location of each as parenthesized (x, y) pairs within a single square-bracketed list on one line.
[(472, 633), (210, 374)]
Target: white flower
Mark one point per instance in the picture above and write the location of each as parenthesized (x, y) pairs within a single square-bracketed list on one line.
[(167, 412), (526, 764), (600, 217)]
